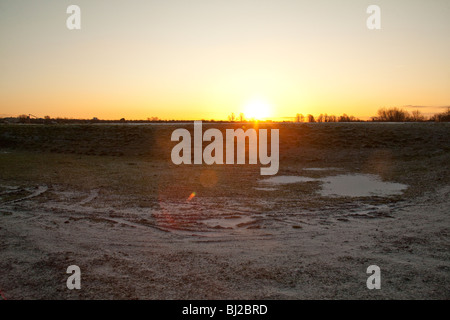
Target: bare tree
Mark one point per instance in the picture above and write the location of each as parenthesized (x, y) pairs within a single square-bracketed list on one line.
[(320, 118), (392, 115), (23, 118), (416, 115), (299, 118), (442, 117)]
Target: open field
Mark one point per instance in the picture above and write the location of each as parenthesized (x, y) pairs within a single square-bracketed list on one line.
[(108, 199)]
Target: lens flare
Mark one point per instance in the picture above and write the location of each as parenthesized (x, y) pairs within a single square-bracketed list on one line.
[(193, 194)]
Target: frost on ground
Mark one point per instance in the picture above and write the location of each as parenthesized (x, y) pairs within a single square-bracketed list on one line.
[(140, 228)]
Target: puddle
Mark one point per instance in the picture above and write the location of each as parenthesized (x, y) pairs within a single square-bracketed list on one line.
[(359, 185), (287, 179), (346, 185)]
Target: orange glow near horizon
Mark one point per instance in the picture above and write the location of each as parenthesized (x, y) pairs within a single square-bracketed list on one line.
[(257, 109)]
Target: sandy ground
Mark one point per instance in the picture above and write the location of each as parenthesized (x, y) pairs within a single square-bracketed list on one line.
[(121, 211)]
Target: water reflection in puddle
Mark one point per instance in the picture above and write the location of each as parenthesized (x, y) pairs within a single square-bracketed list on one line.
[(359, 185), (346, 185)]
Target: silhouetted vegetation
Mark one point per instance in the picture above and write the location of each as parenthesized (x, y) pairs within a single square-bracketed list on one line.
[(383, 115), (442, 117), (391, 115), (416, 115), (401, 115), (325, 118), (346, 118), (232, 117), (299, 118)]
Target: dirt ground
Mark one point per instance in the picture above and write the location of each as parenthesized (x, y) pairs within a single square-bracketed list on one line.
[(108, 199)]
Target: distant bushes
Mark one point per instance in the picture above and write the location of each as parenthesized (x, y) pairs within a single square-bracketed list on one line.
[(325, 118), (392, 115), (383, 115), (442, 117), (401, 115)]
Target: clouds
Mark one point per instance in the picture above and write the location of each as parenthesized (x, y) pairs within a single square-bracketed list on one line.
[(425, 107)]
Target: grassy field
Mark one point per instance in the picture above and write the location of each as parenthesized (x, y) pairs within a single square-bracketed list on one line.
[(109, 199), (136, 157)]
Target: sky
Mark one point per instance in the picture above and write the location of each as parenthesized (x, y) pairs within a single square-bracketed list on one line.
[(204, 59)]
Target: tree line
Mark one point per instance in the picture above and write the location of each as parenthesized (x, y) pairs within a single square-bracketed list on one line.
[(401, 115), (325, 118), (383, 115)]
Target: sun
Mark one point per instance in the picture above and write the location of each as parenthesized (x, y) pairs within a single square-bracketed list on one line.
[(257, 109)]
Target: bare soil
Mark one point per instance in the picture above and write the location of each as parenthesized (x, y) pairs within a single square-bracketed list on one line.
[(108, 199)]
